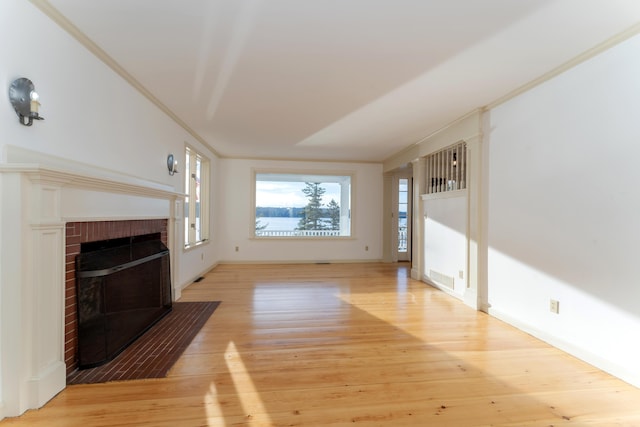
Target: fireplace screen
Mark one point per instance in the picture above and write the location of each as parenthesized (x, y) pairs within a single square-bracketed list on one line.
[(123, 288)]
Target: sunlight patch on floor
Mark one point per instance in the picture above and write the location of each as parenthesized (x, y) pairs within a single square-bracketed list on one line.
[(247, 393), (212, 407)]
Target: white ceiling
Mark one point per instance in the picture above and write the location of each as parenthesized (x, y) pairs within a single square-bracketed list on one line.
[(352, 80)]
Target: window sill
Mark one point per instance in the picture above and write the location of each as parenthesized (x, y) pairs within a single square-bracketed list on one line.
[(188, 248)]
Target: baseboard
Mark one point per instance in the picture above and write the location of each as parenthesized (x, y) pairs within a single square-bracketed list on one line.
[(193, 279), (601, 363), (37, 391), (50, 382), (308, 261)]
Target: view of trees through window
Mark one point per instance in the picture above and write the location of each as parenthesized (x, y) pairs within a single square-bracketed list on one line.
[(302, 205)]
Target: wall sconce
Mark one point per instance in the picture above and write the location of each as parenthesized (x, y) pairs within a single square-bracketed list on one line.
[(172, 164), (24, 98)]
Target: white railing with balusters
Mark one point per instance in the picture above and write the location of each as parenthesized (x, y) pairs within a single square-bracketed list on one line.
[(297, 233), (447, 169), (402, 239)]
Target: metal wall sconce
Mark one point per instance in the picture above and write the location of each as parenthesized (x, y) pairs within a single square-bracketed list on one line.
[(24, 98), (172, 164)]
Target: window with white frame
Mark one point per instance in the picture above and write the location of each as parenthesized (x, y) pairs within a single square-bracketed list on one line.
[(447, 169), (196, 205), (302, 205)]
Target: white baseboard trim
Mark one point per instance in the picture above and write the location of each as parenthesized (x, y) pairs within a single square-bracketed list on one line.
[(308, 261), (601, 363), (42, 389), (193, 279)]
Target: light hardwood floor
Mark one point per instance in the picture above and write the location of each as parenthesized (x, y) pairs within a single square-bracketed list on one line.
[(345, 344)]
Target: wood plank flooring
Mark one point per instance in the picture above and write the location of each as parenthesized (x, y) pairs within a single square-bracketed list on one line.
[(349, 344)]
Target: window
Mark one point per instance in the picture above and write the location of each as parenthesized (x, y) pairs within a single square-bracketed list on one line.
[(196, 203), (302, 205), (447, 169)]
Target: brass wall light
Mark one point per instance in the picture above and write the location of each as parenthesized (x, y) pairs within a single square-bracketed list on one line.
[(25, 100)]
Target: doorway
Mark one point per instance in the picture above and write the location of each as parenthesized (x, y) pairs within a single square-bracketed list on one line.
[(403, 216)]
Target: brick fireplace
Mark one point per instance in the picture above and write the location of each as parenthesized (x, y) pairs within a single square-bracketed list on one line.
[(77, 233)]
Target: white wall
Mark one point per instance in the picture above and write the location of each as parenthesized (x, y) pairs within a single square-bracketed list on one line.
[(563, 210), (92, 115), (445, 238), (236, 178)]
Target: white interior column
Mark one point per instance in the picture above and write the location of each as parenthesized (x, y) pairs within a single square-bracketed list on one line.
[(417, 242), (474, 238), (387, 218)]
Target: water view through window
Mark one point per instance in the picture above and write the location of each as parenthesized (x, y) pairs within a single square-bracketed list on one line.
[(302, 205)]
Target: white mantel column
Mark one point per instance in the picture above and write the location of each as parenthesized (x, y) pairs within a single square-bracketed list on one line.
[(32, 292)]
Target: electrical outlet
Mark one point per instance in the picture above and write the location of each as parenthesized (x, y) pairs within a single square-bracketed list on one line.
[(237, 248), (461, 274), (554, 306), (366, 248)]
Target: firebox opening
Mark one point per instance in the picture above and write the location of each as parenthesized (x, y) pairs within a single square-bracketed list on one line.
[(123, 288)]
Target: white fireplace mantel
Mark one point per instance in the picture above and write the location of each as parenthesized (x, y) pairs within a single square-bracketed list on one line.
[(38, 195)]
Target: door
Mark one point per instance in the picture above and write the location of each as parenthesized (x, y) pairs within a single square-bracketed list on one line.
[(403, 215)]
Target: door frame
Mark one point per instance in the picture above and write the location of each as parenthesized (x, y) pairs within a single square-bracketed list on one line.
[(397, 255)]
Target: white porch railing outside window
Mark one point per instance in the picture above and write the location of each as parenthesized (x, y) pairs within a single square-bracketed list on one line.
[(402, 239), (297, 233)]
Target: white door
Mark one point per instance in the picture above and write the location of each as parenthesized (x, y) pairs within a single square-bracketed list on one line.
[(403, 215)]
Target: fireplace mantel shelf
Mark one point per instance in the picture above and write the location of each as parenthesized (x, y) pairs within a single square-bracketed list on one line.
[(111, 183)]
